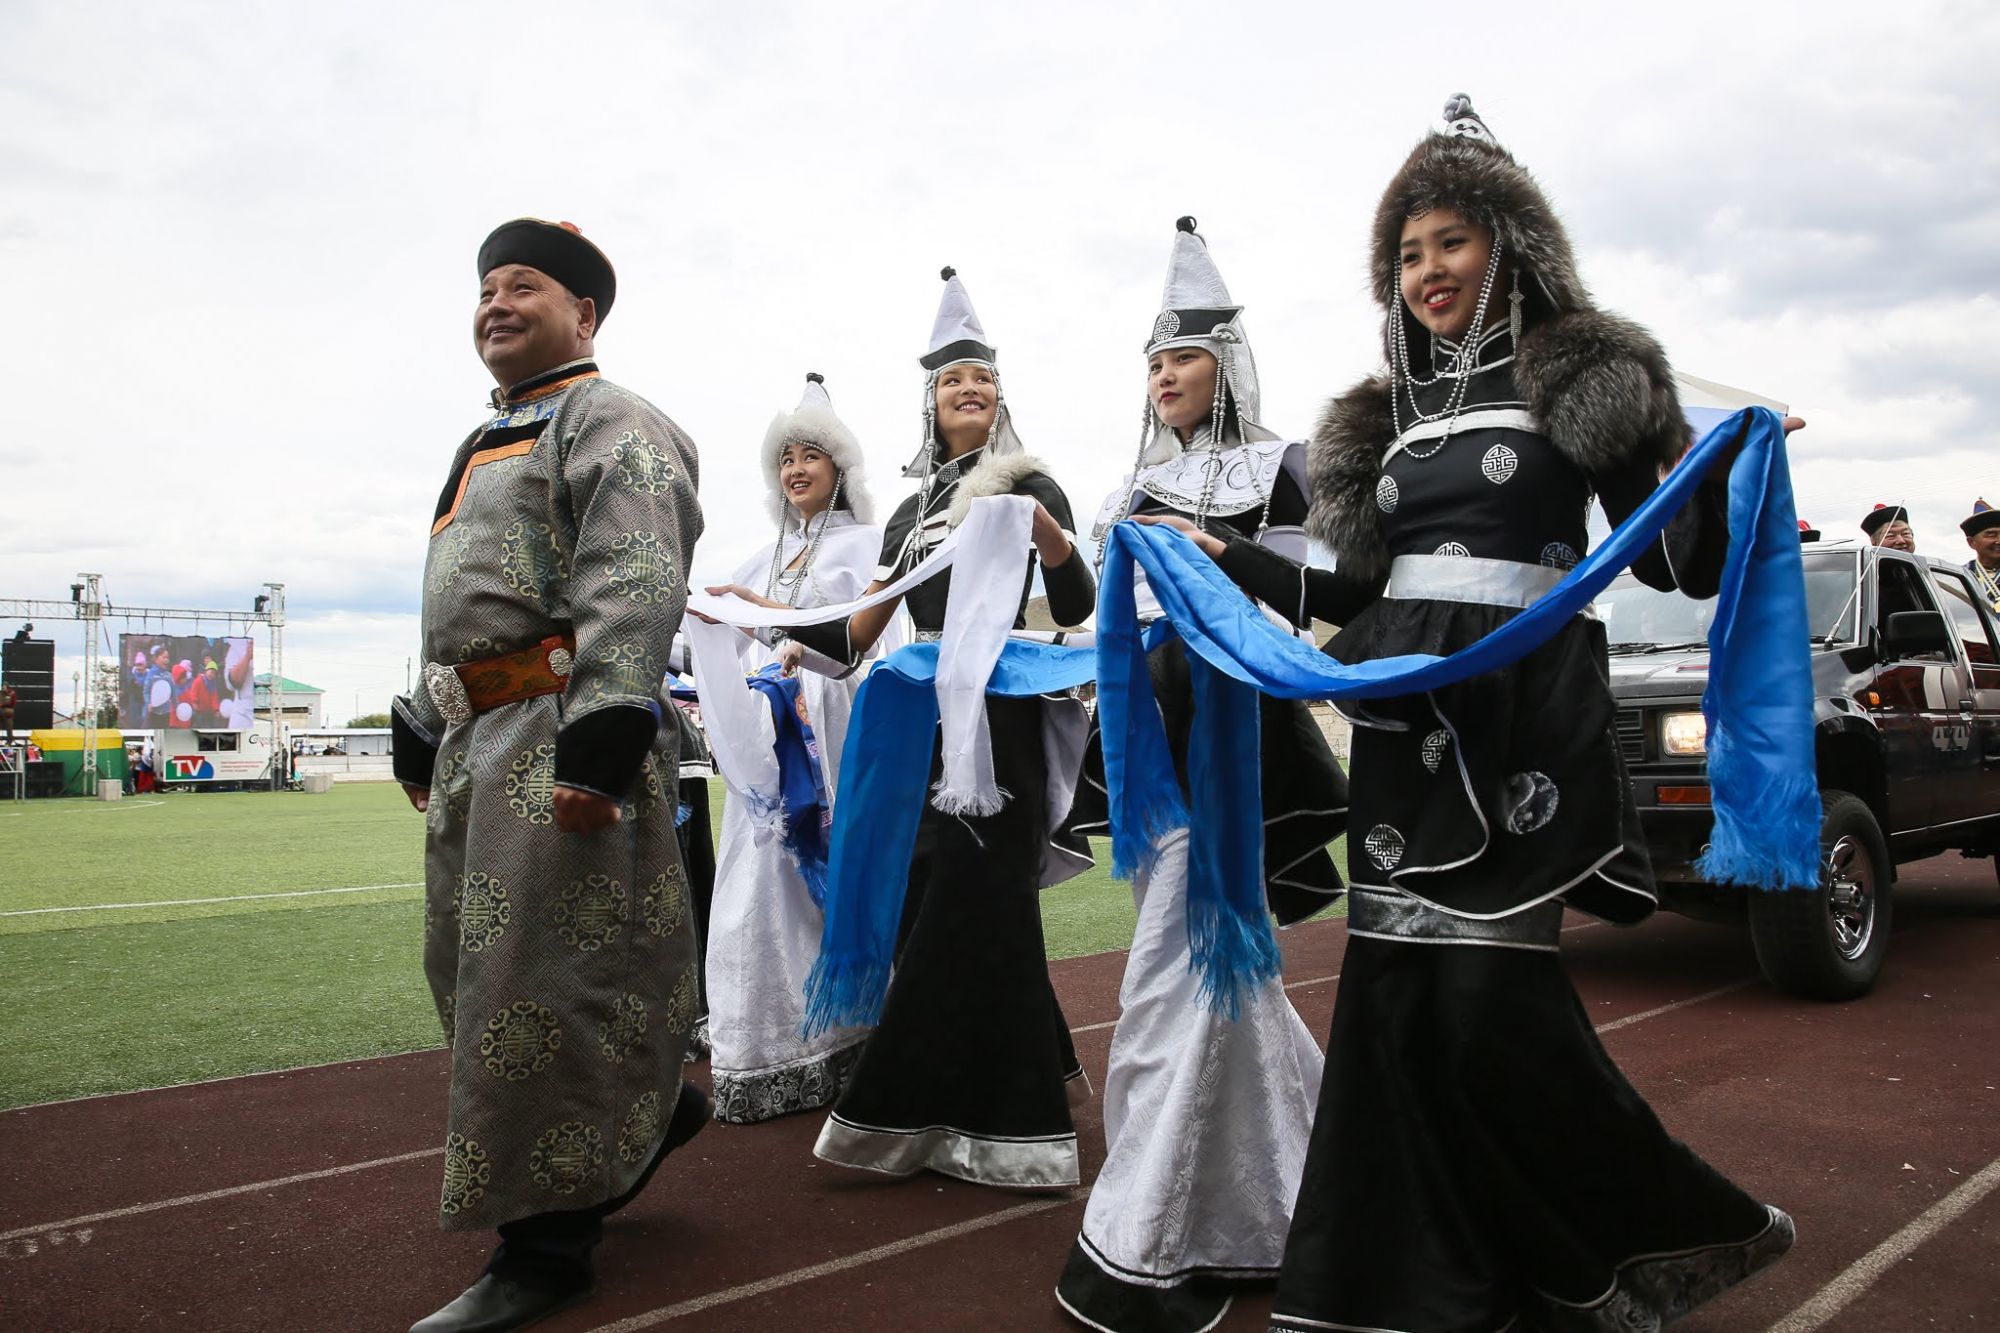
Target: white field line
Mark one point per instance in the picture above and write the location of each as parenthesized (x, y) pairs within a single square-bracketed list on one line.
[(138, 1208), (1863, 1273), (888, 1251), (197, 902), (120, 805)]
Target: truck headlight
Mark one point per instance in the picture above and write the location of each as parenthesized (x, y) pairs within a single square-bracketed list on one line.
[(1684, 734)]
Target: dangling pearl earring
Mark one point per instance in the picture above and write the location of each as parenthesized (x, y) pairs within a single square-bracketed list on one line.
[(1514, 309)]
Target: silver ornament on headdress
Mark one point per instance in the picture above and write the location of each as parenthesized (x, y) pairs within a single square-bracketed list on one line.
[(1194, 283)]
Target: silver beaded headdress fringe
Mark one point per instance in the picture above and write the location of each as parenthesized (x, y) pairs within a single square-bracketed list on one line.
[(1196, 311)]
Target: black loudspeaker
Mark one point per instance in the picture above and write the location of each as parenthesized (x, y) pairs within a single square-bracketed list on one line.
[(29, 666), (43, 777)]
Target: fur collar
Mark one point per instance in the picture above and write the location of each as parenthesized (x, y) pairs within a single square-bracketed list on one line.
[(1599, 384), (992, 476)]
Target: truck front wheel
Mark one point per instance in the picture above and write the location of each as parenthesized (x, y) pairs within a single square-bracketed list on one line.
[(1829, 944)]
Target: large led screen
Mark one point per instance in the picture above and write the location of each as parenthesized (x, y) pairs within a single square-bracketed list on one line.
[(185, 680)]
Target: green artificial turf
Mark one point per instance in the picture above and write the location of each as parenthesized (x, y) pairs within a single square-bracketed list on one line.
[(82, 853), (121, 997), (154, 1003)]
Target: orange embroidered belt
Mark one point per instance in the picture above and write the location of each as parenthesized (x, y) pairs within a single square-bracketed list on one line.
[(474, 687)]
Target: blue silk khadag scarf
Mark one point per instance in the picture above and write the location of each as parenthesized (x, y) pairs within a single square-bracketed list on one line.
[(1758, 701), (806, 814), (885, 769)]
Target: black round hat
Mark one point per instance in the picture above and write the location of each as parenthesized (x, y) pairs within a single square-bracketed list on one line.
[(1881, 516), (557, 249), (1983, 516)]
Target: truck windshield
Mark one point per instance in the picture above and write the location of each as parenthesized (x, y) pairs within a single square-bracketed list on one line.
[(1638, 619)]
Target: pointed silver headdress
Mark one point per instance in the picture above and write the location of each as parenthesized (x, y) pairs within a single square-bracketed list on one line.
[(958, 338), (1196, 311)]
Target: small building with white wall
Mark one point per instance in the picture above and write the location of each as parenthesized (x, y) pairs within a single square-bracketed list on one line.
[(301, 706)]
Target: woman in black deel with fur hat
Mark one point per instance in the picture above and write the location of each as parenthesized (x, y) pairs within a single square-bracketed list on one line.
[(1477, 1162)]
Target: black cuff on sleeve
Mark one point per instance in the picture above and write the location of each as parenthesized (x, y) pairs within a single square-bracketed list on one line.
[(602, 750), (411, 758), (830, 639), (1071, 588), (1261, 572)]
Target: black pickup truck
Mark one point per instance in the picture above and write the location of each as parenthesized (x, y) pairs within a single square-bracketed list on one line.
[(1906, 673)]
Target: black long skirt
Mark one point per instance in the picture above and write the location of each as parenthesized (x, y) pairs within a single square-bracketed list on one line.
[(1478, 1163), (971, 1070)]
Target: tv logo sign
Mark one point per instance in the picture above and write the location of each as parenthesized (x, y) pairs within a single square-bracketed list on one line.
[(189, 767)]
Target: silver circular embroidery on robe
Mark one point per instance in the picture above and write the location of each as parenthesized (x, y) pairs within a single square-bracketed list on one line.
[(1384, 846), (1386, 495), (1453, 548), (1433, 749), (1531, 801), (1499, 464), (1559, 555)]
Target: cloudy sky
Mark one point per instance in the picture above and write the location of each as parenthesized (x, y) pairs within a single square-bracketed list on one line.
[(238, 242)]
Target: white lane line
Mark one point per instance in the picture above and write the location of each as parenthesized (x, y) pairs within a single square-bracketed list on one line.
[(1862, 1274), (1289, 985), (837, 1264), (208, 1195), (1321, 981), (1645, 1014), (196, 902), (919, 1241)]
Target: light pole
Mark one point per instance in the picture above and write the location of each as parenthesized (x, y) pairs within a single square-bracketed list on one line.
[(90, 610), (281, 764)]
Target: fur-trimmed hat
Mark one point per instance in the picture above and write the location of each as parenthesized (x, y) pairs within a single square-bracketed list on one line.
[(813, 422), (1463, 168), (1599, 385), (1982, 517)]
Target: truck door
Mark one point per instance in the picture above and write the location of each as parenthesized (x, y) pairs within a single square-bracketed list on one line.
[(1980, 706), (1918, 703)]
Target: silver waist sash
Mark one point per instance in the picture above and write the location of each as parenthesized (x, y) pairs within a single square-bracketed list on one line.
[(1470, 578), (1389, 914)]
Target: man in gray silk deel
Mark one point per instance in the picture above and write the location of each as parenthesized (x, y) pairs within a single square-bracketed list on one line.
[(558, 936)]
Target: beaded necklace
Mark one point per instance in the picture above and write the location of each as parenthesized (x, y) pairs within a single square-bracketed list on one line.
[(1214, 445), (1989, 584), (1461, 367), (787, 584)]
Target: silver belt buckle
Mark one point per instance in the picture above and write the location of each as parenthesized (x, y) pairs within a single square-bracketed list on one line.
[(447, 691)]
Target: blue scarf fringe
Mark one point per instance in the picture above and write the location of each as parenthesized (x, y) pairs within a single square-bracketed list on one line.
[(884, 781), (1759, 698), (801, 813)]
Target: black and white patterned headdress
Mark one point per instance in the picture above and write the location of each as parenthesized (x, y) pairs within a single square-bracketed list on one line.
[(958, 338), (1196, 311)]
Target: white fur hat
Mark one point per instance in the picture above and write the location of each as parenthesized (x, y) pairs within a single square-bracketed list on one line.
[(813, 422)]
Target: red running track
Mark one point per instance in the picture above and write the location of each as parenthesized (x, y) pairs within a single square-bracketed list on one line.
[(307, 1199)]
